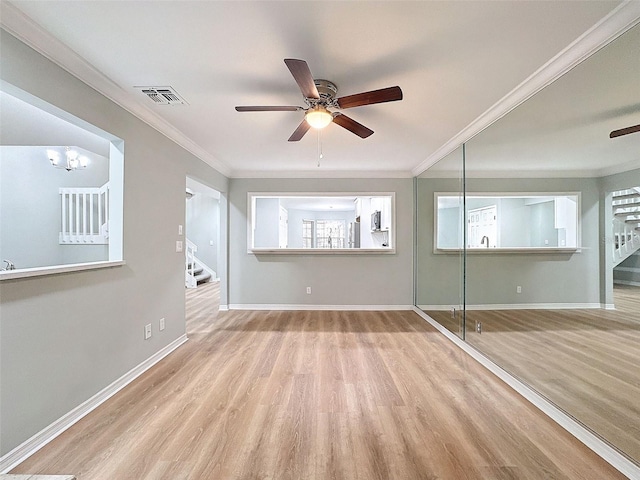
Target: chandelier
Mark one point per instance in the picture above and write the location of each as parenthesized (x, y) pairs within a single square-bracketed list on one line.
[(71, 161)]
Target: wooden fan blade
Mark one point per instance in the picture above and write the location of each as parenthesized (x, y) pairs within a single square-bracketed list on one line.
[(267, 109), (624, 131), (302, 75), (300, 131), (353, 126), (390, 94)]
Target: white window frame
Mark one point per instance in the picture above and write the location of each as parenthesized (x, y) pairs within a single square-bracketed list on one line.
[(388, 236)]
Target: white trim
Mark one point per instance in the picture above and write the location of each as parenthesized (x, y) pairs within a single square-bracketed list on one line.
[(626, 282), (619, 20), (223, 308), (322, 251), (324, 174), (57, 269), (275, 306), (607, 452), (40, 439), (517, 306), (627, 269)]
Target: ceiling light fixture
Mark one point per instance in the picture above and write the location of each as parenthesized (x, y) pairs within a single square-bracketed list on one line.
[(72, 160), (318, 117)]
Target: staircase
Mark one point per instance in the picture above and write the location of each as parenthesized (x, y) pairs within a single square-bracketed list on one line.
[(196, 272), (626, 224)]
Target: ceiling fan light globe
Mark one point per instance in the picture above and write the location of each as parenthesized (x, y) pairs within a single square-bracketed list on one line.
[(318, 118)]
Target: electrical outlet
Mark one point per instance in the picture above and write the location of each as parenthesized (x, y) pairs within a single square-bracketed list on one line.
[(479, 327), (179, 246), (179, 229), (308, 290), (161, 324), (147, 331), (518, 289)]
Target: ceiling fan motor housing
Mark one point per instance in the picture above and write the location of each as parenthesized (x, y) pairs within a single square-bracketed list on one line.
[(327, 91)]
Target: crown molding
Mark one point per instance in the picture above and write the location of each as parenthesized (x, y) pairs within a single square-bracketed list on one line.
[(15, 22), (619, 20), (321, 173)]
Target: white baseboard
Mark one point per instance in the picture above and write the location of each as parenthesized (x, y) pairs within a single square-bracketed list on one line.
[(268, 306), (223, 308), (592, 441), (40, 439), (626, 282), (516, 306)]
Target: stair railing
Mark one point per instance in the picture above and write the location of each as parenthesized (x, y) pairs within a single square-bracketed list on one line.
[(626, 223), (84, 215), (190, 264)]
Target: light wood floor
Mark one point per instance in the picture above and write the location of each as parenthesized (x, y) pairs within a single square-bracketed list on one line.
[(585, 361), (316, 395)]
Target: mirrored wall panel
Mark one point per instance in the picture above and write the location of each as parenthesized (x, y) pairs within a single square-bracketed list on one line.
[(555, 196), (440, 220)]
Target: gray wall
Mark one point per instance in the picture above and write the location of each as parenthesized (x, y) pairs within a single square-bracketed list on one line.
[(542, 225), (267, 223), (29, 190), (492, 278), (203, 227), (65, 337), (344, 279)]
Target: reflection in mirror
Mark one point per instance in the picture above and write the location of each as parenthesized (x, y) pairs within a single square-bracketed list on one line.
[(498, 222), (286, 223), (439, 278), (559, 322), (57, 205)]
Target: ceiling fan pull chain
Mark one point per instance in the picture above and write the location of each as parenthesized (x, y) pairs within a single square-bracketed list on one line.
[(319, 148)]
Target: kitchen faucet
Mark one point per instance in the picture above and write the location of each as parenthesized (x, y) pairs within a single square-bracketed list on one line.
[(482, 241)]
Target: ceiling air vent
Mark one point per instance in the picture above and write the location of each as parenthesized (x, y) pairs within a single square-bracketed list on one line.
[(162, 95)]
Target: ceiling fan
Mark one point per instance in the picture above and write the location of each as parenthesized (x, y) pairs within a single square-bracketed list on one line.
[(624, 131), (320, 95)]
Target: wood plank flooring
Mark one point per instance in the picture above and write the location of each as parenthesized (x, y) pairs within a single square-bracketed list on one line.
[(316, 395), (587, 362)]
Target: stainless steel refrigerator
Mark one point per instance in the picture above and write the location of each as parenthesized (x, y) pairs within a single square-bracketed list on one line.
[(354, 235)]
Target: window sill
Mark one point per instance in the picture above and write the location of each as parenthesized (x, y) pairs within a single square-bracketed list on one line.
[(56, 269), (489, 251), (321, 251)]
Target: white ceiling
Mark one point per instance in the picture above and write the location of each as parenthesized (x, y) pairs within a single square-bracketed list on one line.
[(453, 61), (564, 129)]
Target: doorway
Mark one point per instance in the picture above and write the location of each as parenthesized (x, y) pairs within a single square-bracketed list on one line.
[(205, 243)]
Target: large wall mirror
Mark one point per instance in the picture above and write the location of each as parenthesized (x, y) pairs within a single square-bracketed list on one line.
[(567, 323), (439, 279), (316, 223), (60, 189)]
